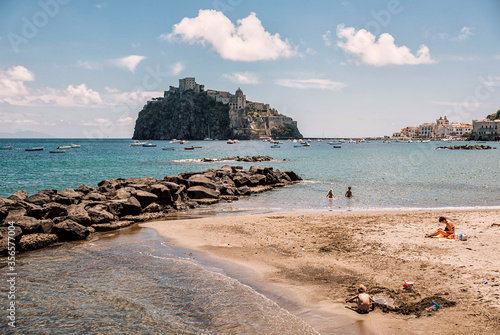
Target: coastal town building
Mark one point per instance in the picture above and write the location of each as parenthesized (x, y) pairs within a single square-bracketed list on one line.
[(485, 130), (440, 129)]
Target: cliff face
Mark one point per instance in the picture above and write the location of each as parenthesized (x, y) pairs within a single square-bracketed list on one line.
[(194, 116), (191, 116)]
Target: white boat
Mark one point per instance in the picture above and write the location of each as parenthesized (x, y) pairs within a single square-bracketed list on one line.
[(62, 147), (183, 142), (208, 139), (149, 145), (6, 148), (137, 144), (174, 141), (35, 149), (426, 141), (75, 145)]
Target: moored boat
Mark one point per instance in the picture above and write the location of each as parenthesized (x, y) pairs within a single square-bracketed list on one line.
[(189, 148), (6, 148), (35, 149), (57, 151), (74, 146), (275, 146), (137, 144), (167, 148), (62, 147), (149, 145)]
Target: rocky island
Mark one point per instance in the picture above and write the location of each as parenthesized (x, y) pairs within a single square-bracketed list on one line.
[(190, 112)]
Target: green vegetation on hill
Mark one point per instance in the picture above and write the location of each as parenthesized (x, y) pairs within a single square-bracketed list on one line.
[(494, 116), (286, 131), (191, 115)]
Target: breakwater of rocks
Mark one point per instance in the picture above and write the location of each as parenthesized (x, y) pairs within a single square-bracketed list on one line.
[(49, 217), (467, 147), (252, 159)]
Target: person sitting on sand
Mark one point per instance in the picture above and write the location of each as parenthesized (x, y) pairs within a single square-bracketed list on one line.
[(363, 300), (330, 194), (348, 193), (448, 230)]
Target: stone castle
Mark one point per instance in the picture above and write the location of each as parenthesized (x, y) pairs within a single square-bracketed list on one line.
[(248, 119)]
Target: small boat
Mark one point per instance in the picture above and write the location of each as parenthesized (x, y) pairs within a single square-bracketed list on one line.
[(198, 147), (275, 146), (306, 144), (35, 149), (74, 146), (337, 146), (174, 141), (189, 148), (168, 148), (137, 144), (57, 151), (183, 142), (297, 146), (62, 147), (6, 148), (426, 141), (230, 141), (208, 139), (149, 145)]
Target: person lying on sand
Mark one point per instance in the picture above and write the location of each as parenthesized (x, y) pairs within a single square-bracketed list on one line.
[(363, 300), (448, 230)]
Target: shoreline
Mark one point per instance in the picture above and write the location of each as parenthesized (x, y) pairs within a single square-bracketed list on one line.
[(309, 262)]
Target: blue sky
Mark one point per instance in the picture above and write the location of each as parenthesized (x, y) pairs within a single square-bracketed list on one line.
[(340, 68)]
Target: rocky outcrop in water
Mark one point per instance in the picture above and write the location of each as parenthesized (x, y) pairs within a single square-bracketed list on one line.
[(467, 147), (252, 159), (50, 217)]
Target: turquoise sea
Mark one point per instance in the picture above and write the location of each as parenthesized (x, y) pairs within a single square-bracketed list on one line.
[(132, 282), (382, 175)]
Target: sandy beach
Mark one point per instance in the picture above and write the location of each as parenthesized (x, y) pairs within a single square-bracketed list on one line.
[(312, 261)]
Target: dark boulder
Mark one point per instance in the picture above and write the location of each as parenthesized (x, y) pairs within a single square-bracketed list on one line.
[(27, 224), (69, 230), (94, 196), (201, 180), (19, 196), (71, 194), (55, 209), (200, 192), (37, 241), (111, 225), (163, 193), (293, 176), (145, 198), (124, 207), (99, 214), (40, 198), (243, 190), (153, 208), (78, 214), (84, 189)]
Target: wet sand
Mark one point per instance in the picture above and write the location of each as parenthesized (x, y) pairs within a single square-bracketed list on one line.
[(310, 262)]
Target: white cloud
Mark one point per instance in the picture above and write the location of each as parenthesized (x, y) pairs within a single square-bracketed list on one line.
[(242, 77), (465, 33), (12, 83), (126, 121), (176, 68), (81, 95), (129, 62), (248, 41), (322, 84), (111, 90), (87, 65), (327, 37), (364, 45)]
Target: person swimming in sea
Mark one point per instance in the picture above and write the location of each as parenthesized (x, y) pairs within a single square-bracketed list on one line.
[(348, 193), (330, 194)]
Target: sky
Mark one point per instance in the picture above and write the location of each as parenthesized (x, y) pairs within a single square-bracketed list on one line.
[(84, 69)]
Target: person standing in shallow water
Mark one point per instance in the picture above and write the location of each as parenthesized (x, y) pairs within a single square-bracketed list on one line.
[(348, 193), (330, 194)]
